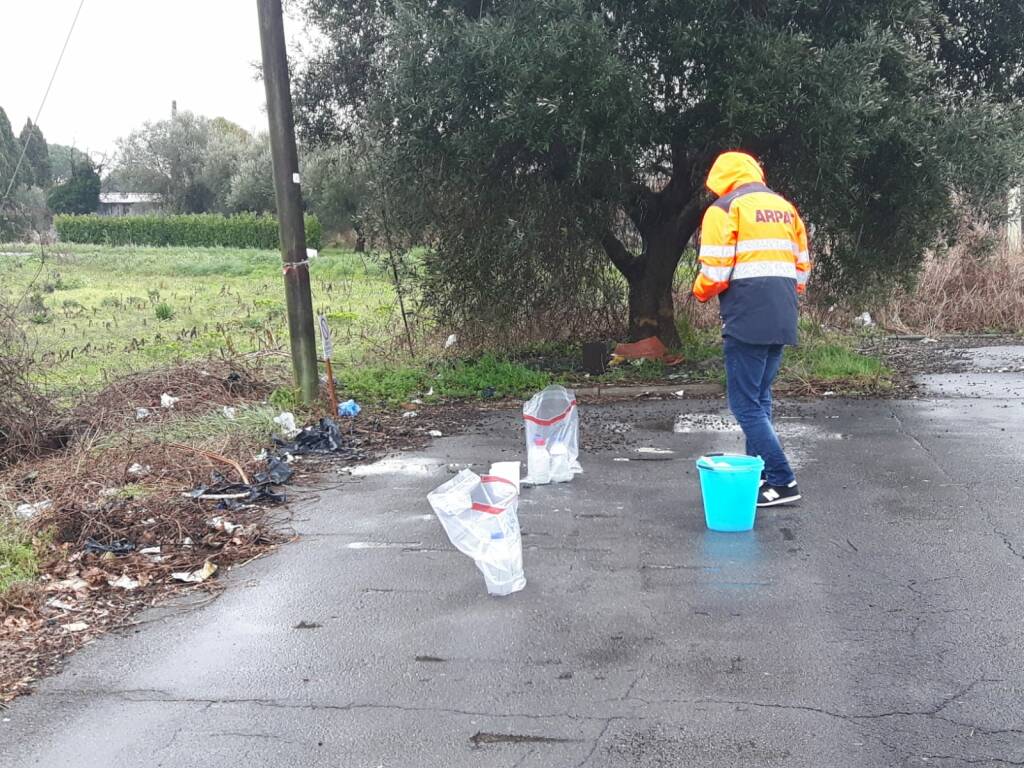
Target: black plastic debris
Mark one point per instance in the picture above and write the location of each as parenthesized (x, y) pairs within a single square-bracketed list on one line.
[(323, 437), (116, 547), (221, 490), (277, 473), (487, 392)]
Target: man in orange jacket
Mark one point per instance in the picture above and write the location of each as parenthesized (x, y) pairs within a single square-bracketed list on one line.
[(754, 257)]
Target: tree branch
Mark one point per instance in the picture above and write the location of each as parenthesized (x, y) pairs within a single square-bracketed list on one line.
[(624, 261)]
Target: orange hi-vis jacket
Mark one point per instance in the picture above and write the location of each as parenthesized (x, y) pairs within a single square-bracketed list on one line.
[(753, 254)]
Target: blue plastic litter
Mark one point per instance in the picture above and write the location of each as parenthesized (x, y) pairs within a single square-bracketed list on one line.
[(349, 409), (729, 485)]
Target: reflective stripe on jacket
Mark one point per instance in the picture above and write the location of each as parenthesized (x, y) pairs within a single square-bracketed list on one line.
[(753, 254)]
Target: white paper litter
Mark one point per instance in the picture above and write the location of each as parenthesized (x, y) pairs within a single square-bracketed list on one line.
[(125, 582), (168, 401), (195, 577)]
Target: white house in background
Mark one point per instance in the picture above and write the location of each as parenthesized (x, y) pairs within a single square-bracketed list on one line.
[(128, 203)]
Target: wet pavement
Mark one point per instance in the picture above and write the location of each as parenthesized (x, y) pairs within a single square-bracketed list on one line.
[(881, 623)]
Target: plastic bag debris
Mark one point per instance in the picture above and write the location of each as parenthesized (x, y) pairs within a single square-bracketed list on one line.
[(410, 415), (139, 470), (197, 576), (168, 401), (118, 547), (277, 473), (220, 489), (552, 436), (650, 348), (863, 320), (435, 433), (349, 409), (28, 511), (480, 516), (323, 437), (125, 582), (451, 341), (230, 412), (225, 526), (77, 626), (150, 551), (286, 421), (141, 413)]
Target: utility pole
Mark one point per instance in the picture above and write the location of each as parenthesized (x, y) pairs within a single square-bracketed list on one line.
[(289, 199)]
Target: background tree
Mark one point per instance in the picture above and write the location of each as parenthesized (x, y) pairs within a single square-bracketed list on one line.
[(80, 193), (335, 186), (520, 138), (63, 159), (252, 183), (37, 155)]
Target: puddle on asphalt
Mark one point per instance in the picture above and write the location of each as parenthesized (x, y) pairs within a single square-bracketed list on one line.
[(400, 465)]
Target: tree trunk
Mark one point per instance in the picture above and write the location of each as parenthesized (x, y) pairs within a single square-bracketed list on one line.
[(650, 275), (651, 308)]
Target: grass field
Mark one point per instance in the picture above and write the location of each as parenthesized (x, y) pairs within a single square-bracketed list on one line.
[(99, 311)]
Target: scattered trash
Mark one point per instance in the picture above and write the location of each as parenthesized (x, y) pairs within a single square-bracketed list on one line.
[(197, 576), (349, 409), (74, 585), (277, 473), (78, 626), (307, 625), (479, 514), (220, 489), (620, 458), (451, 341), (488, 392), (150, 551), (29, 511), (928, 340), (410, 414), (680, 393), (124, 581), (435, 433), (141, 413), (118, 547), (139, 470), (430, 392), (230, 412), (863, 320), (225, 526), (829, 393), (323, 437), (655, 454), (168, 401), (650, 348), (552, 436), (416, 401), (60, 605), (286, 421)]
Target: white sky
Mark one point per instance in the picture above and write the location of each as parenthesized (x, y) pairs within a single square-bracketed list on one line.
[(127, 60)]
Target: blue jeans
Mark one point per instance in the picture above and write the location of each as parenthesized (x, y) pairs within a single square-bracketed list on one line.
[(750, 370)]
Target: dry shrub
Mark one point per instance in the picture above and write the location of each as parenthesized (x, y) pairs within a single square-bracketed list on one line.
[(29, 424), (973, 287)]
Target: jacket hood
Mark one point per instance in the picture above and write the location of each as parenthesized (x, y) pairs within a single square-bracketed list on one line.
[(731, 170)]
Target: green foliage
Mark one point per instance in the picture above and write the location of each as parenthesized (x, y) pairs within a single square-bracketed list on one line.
[(163, 311), (37, 155), (251, 185), (286, 399), (523, 140), (459, 380), (832, 361), (195, 230), (80, 194), (335, 183), (18, 560), (63, 160)]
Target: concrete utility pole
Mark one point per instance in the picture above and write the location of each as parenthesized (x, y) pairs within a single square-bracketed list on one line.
[(289, 199)]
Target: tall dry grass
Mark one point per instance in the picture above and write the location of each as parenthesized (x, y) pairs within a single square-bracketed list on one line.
[(963, 291)]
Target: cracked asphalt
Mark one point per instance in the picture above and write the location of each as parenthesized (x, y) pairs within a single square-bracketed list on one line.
[(881, 623)]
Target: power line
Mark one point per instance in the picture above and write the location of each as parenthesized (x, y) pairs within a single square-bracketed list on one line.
[(42, 103)]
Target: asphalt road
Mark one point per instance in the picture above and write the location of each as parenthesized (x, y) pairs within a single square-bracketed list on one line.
[(878, 624)]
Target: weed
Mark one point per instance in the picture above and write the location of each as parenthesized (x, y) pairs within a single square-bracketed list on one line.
[(18, 560), (164, 311), (505, 378), (830, 360), (286, 399)]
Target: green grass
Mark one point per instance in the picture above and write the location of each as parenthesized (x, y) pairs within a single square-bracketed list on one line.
[(100, 311), (18, 560), (833, 361), (460, 379)]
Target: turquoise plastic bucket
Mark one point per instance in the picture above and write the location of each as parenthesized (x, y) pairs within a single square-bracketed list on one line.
[(729, 485)]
